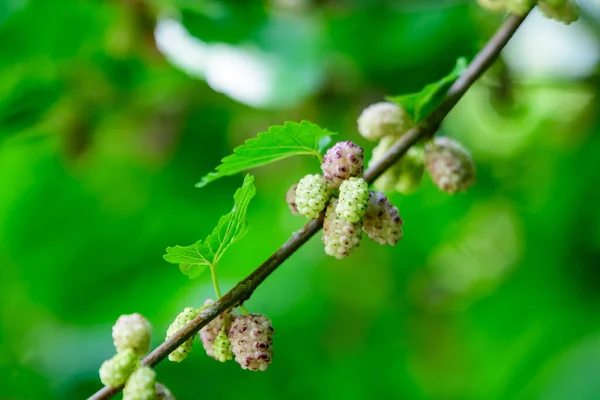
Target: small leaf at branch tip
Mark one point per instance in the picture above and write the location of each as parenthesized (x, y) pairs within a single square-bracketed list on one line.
[(279, 142), (193, 260), (420, 104)]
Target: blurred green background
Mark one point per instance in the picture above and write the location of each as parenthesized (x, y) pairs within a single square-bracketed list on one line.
[(111, 111)]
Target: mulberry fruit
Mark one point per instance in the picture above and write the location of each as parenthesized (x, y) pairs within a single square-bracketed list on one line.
[(383, 119), (382, 223), (114, 372), (312, 195), (342, 161), (565, 11), (140, 385), (352, 203), (290, 198), (450, 165), (339, 237), (251, 339), (180, 353), (132, 331), (211, 337)]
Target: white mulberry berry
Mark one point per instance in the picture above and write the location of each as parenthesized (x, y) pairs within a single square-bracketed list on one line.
[(132, 331), (449, 164), (251, 339), (184, 317), (114, 372), (162, 392), (565, 11), (383, 119), (140, 385), (290, 198), (410, 170), (382, 223), (312, 195), (342, 161), (209, 335), (339, 237), (352, 203)]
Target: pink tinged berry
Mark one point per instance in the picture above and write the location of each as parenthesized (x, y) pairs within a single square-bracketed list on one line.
[(340, 237), (132, 331), (383, 119), (114, 372), (184, 318), (450, 165), (251, 339), (352, 202), (141, 385), (382, 222), (290, 198), (213, 342), (312, 195), (342, 161)]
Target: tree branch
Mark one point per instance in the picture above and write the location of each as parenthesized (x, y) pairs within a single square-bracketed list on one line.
[(244, 289)]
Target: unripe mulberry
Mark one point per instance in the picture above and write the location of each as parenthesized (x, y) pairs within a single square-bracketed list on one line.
[(140, 385), (387, 180), (222, 347), (184, 318), (565, 11), (162, 392), (132, 331), (342, 161), (410, 170), (251, 339), (383, 119), (290, 198), (114, 372), (449, 164), (339, 237), (352, 203), (209, 335), (312, 195), (382, 222)]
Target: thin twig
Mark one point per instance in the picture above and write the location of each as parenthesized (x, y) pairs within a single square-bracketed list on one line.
[(244, 289)]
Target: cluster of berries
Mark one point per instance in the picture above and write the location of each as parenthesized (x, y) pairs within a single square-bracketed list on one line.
[(565, 11), (448, 162), (131, 337), (248, 338), (351, 207)]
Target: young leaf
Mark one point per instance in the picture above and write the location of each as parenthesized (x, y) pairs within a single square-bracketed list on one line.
[(194, 259), (420, 104), (278, 142)]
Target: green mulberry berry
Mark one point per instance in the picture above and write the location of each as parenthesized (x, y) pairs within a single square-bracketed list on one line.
[(184, 318), (342, 161), (162, 392), (312, 195), (222, 347), (410, 171), (565, 11), (114, 372), (339, 237), (449, 164), (251, 339), (382, 222), (383, 119), (141, 385), (290, 198), (132, 331), (352, 203), (210, 335)]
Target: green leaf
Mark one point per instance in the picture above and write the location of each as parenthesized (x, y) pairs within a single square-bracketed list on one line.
[(194, 259), (420, 104), (277, 143)]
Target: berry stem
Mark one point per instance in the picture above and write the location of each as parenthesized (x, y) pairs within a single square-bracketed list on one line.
[(243, 308), (215, 281)]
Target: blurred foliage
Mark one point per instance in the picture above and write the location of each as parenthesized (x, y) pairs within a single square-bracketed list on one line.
[(492, 294)]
